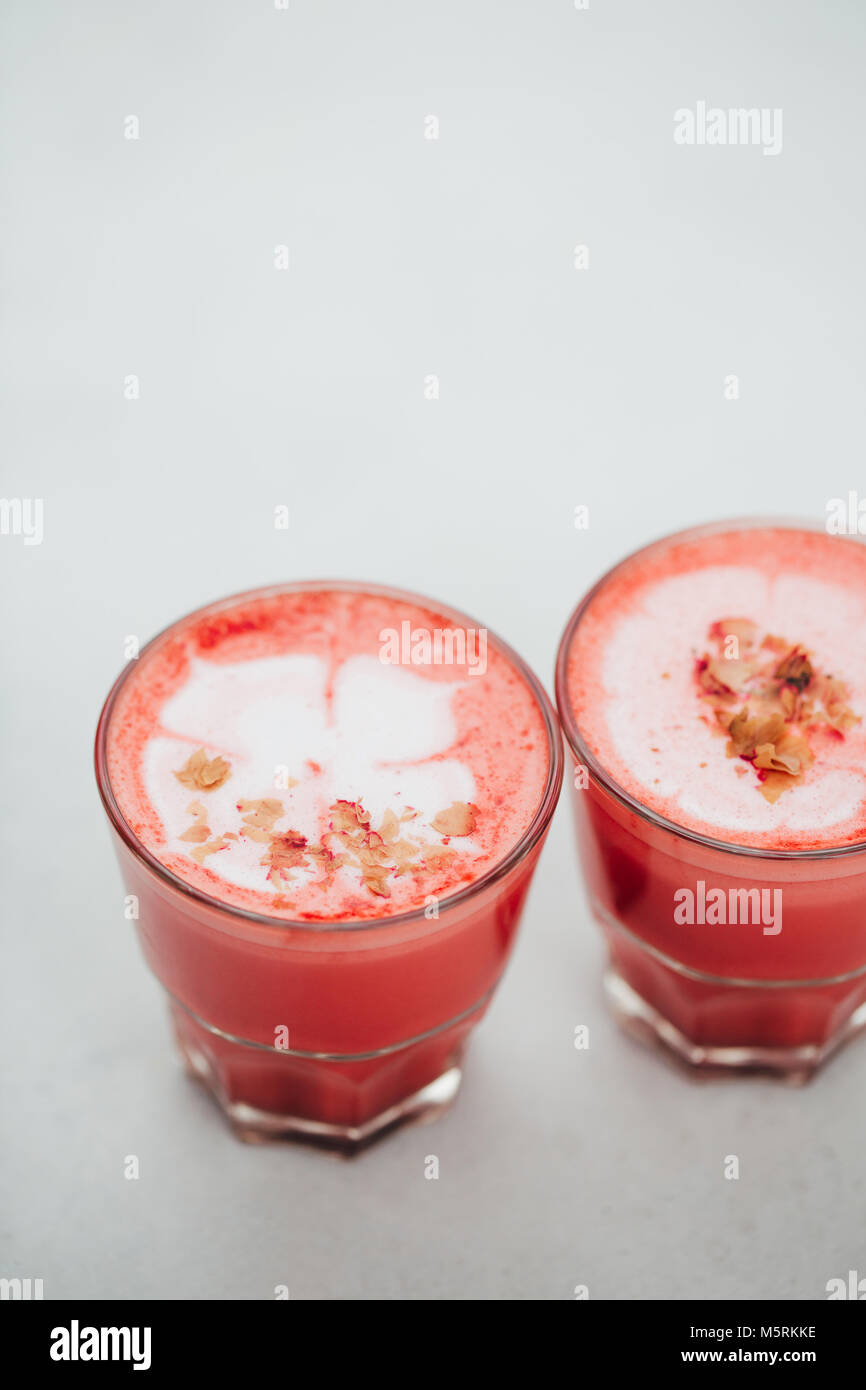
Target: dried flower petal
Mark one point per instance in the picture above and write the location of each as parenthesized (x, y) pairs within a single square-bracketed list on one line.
[(377, 882), (196, 835), (748, 730), (767, 729), (773, 784), (795, 669), (201, 852), (262, 814), (438, 856), (286, 852), (379, 853), (200, 831), (766, 757), (458, 819), (202, 773)]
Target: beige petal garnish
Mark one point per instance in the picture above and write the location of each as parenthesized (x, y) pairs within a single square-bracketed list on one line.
[(748, 730), (833, 696), (349, 817), (721, 676), (438, 856), (712, 678), (795, 669), (201, 852), (259, 818), (377, 881), (262, 814), (196, 835), (327, 861), (202, 773), (287, 851), (458, 819), (404, 854), (775, 708), (766, 757), (379, 853), (373, 856), (200, 831), (788, 696), (773, 784)]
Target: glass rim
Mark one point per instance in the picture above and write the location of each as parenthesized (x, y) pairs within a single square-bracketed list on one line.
[(519, 850), (581, 750)]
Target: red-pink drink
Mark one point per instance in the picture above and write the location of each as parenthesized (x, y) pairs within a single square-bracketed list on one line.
[(328, 802), (712, 688)]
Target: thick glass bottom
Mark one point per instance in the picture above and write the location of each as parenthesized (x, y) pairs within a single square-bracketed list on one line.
[(779, 1026), (796, 1063), (338, 1102)]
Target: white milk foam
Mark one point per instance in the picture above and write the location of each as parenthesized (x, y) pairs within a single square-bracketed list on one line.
[(372, 745), (665, 631)]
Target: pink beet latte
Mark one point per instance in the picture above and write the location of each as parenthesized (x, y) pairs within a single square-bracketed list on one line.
[(328, 801), (712, 689)]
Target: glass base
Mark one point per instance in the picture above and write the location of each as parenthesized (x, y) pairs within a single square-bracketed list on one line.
[(795, 1064), (340, 1105)]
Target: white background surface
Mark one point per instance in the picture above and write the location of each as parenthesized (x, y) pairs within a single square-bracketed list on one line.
[(603, 387)]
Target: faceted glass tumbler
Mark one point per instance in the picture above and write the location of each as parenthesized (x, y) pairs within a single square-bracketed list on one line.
[(329, 1031), (718, 995)]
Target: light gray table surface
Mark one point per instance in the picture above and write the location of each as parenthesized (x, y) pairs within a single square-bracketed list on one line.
[(258, 387)]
